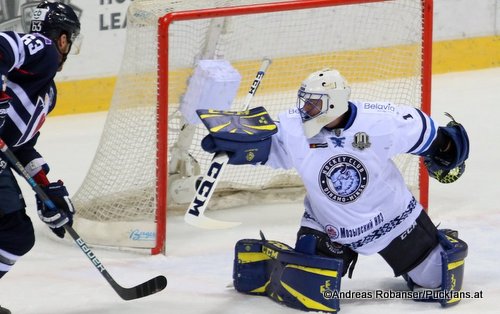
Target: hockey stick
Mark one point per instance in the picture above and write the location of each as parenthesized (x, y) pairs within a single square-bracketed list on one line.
[(142, 290), (195, 213)]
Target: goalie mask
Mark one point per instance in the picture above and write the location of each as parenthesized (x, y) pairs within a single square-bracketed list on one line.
[(52, 19), (322, 97)]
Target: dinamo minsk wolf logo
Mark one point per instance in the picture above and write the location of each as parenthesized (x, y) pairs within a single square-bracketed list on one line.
[(343, 178)]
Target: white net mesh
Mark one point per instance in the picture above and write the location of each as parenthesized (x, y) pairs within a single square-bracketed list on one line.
[(376, 46)]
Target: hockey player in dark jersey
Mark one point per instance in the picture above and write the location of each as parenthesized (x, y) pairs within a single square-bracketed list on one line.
[(28, 65)]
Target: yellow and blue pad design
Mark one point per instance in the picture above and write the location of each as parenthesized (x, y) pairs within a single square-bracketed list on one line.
[(453, 259), (244, 135), (244, 126), (301, 281)]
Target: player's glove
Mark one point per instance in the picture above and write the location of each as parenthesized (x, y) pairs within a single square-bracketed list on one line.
[(446, 164), (62, 214), (4, 102), (442, 175)]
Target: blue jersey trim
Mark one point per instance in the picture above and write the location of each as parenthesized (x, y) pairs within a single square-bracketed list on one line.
[(422, 134), (429, 140), (354, 111)]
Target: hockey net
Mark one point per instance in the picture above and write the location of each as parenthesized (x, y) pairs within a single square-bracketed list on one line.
[(381, 47)]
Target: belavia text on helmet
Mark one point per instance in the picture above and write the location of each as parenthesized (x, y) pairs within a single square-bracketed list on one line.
[(52, 19), (322, 97)]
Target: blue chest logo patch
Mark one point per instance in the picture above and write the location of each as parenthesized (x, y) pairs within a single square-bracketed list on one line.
[(343, 178), (337, 141)]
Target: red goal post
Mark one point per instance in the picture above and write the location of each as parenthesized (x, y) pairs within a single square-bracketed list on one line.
[(383, 48)]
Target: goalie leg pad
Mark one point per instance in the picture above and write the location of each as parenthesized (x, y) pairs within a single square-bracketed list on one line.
[(453, 257), (301, 281), (452, 271), (250, 274), (310, 241)]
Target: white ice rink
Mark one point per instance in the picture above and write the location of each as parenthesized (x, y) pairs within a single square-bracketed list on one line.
[(56, 278)]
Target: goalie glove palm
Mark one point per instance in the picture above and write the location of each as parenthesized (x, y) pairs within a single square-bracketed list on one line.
[(442, 175), (57, 217)]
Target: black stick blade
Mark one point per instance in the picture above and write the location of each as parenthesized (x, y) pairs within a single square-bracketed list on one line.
[(149, 287)]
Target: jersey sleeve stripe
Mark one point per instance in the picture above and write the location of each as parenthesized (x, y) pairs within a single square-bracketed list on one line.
[(28, 105), (17, 49), (430, 137), (424, 129)]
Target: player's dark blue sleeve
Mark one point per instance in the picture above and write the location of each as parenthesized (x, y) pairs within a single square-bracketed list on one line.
[(29, 157), (11, 52), (27, 152)]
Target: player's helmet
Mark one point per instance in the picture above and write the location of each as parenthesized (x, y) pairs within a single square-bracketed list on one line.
[(52, 19), (322, 97)]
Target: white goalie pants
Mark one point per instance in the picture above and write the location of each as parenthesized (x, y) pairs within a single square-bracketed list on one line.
[(428, 274)]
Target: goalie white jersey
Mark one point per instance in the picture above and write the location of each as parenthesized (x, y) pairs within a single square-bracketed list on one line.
[(355, 193)]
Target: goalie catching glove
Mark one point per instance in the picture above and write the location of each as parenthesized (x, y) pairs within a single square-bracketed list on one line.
[(445, 159), (244, 135), (57, 217)]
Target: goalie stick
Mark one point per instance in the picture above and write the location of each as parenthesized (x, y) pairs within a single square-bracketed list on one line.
[(195, 213), (142, 290)]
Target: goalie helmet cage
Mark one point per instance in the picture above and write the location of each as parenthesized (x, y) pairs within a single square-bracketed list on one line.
[(383, 48)]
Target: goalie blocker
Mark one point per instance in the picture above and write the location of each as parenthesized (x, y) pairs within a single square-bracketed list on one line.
[(244, 135)]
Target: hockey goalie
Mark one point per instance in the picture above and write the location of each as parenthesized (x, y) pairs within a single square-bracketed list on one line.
[(356, 200)]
